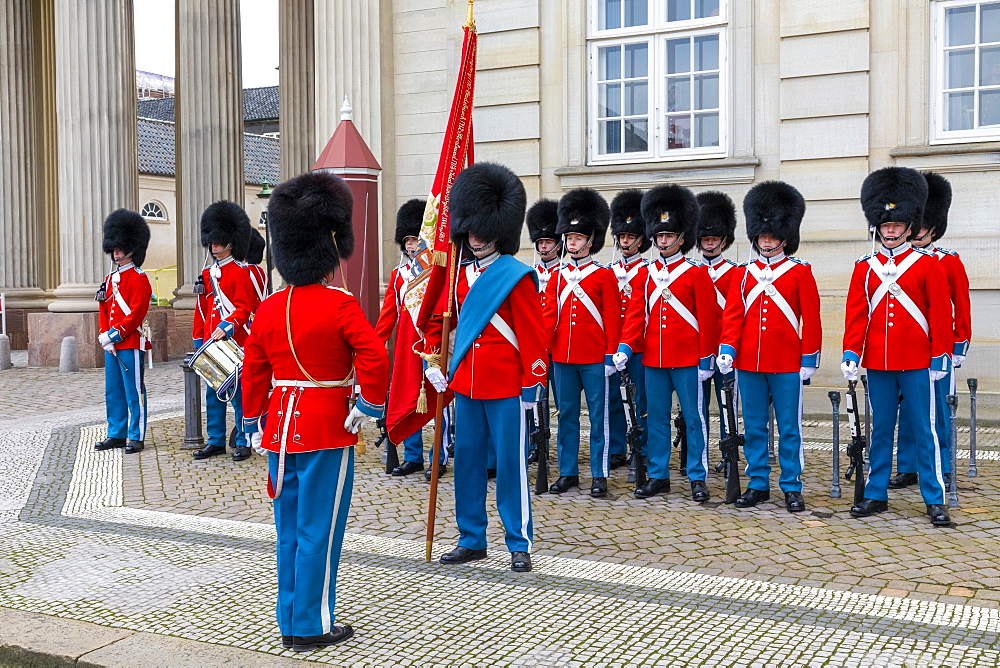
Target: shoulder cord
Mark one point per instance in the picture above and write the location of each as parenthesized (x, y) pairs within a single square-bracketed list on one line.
[(291, 346)]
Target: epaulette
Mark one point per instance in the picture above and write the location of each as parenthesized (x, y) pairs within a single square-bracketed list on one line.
[(864, 258), (139, 270), (344, 290), (726, 259), (923, 252), (744, 264), (241, 264), (797, 260), (947, 251), (692, 262)]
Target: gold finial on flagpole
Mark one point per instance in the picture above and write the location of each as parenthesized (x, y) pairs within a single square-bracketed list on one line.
[(470, 21)]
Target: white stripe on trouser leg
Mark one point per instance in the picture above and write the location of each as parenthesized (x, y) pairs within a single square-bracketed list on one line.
[(701, 420), (137, 367), (938, 473), (606, 459), (802, 447), (325, 599), (522, 469)]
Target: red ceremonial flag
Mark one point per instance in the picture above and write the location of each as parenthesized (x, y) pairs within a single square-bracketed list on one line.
[(429, 295)]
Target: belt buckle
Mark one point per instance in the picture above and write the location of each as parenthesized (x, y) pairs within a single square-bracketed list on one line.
[(769, 290), (895, 289), (667, 294)]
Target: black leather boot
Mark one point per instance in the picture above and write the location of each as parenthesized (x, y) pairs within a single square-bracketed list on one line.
[(306, 643), (109, 443), (209, 451), (752, 497), (520, 562), (599, 487), (134, 447), (653, 487), (939, 515), (564, 484), (869, 507), (794, 502), (406, 468), (902, 480), (461, 555), (699, 491)]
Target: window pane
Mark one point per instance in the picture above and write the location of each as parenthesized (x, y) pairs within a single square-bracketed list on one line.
[(961, 66), (609, 100), (706, 53), (636, 136), (678, 10), (636, 100), (960, 111), (610, 15), (679, 55), (678, 93), (961, 25), (636, 61), (989, 107), (989, 23), (706, 130), (706, 91), (989, 66), (609, 63), (610, 139), (706, 8), (635, 13), (679, 131)]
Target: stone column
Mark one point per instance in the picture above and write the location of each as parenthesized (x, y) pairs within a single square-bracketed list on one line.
[(19, 191), (209, 115), (297, 86), (96, 109)]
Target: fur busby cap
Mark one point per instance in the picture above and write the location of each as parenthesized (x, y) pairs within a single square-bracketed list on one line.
[(584, 211), (255, 255), (310, 220), (626, 216), (488, 200), (128, 232), (774, 207), (894, 195), (543, 216), (717, 217), (409, 218), (671, 208), (226, 223), (938, 203)]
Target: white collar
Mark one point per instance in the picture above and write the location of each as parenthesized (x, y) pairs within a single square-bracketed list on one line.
[(575, 263), (670, 260), (768, 261), (549, 264), (126, 267), (713, 261), (224, 261), (631, 260), (893, 252), (482, 263)]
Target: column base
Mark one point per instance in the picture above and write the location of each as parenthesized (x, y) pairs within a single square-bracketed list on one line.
[(47, 330), (184, 298), (75, 298), (17, 325)]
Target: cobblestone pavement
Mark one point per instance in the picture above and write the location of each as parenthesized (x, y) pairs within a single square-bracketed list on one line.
[(160, 543)]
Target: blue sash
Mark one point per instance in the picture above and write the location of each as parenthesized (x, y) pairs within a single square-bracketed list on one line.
[(484, 299)]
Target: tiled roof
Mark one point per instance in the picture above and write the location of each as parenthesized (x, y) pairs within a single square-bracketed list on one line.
[(259, 104), (156, 153)]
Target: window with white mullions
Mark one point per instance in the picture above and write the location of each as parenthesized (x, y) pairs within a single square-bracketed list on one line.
[(153, 210), (692, 104), (623, 98), (614, 14), (685, 10)]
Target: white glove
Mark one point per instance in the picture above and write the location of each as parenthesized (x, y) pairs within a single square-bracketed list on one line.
[(620, 360), (610, 370), (256, 440), (957, 360), (806, 372), (109, 347), (527, 405), (705, 374), (937, 375), (104, 339), (850, 370), (437, 378), (725, 363), (354, 420)]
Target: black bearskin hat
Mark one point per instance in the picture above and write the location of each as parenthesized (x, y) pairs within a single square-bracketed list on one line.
[(488, 200), (543, 216), (671, 208), (894, 195), (717, 217), (584, 211), (311, 231), (128, 232), (255, 255), (226, 223), (774, 207), (409, 218), (626, 216), (938, 203)]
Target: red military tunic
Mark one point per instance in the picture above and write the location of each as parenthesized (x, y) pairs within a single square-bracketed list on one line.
[(898, 328), (392, 305), (958, 286), (722, 272), (545, 271), (259, 280), (626, 271), (673, 317), (121, 314), (583, 314), (330, 334), (238, 300), (776, 330)]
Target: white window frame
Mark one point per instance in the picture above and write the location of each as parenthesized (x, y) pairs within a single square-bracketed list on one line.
[(937, 106), (159, 205), (656, 33)]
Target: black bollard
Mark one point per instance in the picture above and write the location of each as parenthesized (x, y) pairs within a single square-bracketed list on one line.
[(953, 483), (835, 400), (193, 439), (973, 386)]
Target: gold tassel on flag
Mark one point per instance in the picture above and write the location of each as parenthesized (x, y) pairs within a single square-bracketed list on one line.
[(422, 399)]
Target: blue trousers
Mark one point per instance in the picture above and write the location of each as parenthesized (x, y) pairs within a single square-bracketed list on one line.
[(660, 387), (706, 391), (413, 445), (616, 412), (125, 394), (784, 390), (917, 409), (482, 425), (571, 379), (215, 417), (310, 517), (906, 456)]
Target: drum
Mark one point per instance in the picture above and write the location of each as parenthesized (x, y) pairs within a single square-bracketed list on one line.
[(219, 364)]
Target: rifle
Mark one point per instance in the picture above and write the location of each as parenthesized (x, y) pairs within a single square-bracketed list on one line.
[(856, 448), (540, 437), (633, 437), (733, 442), (681, 440), (391, 456)]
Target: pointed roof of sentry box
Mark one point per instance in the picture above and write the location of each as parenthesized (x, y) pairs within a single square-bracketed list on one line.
[(346, 148)]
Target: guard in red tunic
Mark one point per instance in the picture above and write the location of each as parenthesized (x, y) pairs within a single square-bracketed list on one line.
[(542, 218), (771, 334), (583, 315), (674, 320), (124, 298), (224, 311), (310, 345), (253, 260), (899, 326), (935, 224)]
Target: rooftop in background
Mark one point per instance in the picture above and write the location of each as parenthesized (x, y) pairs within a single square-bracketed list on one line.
[(150, 85), (259, 104), (157, 156)]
